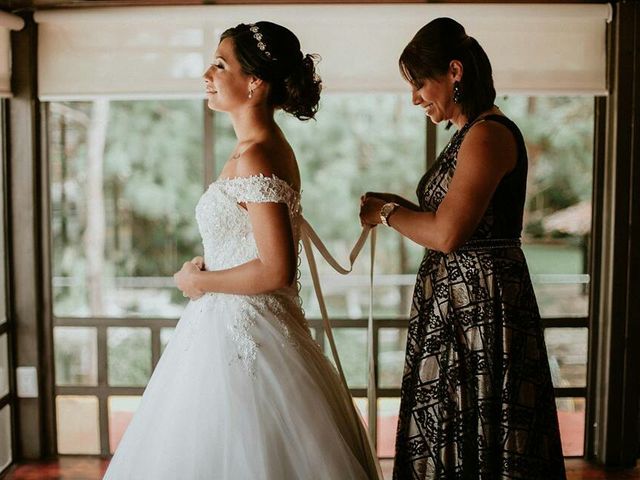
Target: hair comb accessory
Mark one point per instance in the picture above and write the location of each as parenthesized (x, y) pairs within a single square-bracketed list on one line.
[(261, 45)]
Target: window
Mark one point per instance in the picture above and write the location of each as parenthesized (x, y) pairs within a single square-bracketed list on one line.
[(125, 178), (123, 220)]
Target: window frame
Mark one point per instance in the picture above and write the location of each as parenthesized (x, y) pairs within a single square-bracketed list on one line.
[(6, 328)]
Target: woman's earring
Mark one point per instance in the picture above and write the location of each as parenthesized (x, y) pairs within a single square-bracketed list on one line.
[(250, 92), (457, 93)]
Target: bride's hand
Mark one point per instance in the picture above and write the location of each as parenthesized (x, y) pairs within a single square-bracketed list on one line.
[(185, 281), (370, 207), (198, 262)]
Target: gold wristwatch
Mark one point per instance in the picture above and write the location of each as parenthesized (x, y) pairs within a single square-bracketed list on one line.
[(386, 211)]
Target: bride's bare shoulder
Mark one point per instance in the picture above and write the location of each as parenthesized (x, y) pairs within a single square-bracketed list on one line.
[(255, 160), (268, 160)]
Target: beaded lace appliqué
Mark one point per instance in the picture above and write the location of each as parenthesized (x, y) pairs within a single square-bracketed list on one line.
[(240, 329), (228, 241), (247, 347)]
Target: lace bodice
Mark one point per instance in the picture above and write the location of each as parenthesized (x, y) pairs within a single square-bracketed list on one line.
[(228, 241), (225, 227)]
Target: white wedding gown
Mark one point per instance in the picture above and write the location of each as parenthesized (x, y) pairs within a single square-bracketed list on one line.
[(242, 390)]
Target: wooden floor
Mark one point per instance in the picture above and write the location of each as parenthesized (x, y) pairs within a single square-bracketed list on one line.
[(87, 468), (66, 468)]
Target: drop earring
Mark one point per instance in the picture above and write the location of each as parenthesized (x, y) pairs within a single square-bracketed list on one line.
[(457, 93), (250, 92)]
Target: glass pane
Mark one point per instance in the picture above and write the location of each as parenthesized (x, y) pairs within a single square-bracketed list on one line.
[(78, 426), (76, 354), (129, 352), (348, 296), (121, 410), (571, 412), (165, 336), (567, 351), (559, 136), (125, 179), (352, 348), (387, 468), (559, 279), (316, 333), (4, 366), (388, 409), (6, 455), (391, 350), (362, 405), (359, 143)]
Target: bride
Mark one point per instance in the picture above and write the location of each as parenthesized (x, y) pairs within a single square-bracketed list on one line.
[(242, 391)]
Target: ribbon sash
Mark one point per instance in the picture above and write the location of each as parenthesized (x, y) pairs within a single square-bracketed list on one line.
[(309, 237)]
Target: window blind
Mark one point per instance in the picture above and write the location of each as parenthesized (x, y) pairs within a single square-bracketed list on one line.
[(138, 52)]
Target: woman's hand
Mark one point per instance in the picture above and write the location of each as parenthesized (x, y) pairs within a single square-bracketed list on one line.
[(198, 262), (370, 207), (185, 280)]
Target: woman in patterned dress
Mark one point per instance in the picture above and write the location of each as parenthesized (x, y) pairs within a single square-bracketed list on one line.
[(477, 397)]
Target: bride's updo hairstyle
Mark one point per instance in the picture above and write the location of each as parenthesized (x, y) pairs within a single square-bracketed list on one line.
[(429, 53), (272, 53)]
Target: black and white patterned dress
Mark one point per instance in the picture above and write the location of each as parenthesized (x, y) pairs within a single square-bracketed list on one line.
[(477, 397)]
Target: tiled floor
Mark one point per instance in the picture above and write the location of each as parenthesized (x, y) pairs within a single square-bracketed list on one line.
[(88, 468)]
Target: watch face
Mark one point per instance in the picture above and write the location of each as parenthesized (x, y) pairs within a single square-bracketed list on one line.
[(385, 211), (387, 208)]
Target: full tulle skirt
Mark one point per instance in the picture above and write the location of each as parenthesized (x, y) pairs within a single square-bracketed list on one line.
[(242, 391)]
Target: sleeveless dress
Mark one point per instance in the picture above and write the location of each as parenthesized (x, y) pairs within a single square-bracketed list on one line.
[(242, 391), (477, 397)]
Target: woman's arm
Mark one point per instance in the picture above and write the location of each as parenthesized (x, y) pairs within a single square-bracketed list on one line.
[(486, 155), (275, 266)]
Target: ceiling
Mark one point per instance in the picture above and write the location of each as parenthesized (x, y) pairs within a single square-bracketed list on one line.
[(15, 5)]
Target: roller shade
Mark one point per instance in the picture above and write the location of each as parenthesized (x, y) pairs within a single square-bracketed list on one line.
[(162, 51), (8, 22)]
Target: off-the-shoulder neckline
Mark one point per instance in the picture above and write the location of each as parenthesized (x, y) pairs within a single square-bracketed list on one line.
[(258, 175)]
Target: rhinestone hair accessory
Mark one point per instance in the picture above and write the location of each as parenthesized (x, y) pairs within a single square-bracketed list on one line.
[(261, 45)]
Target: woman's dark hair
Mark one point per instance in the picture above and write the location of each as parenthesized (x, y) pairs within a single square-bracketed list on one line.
[(272, 53), (430, 52)]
